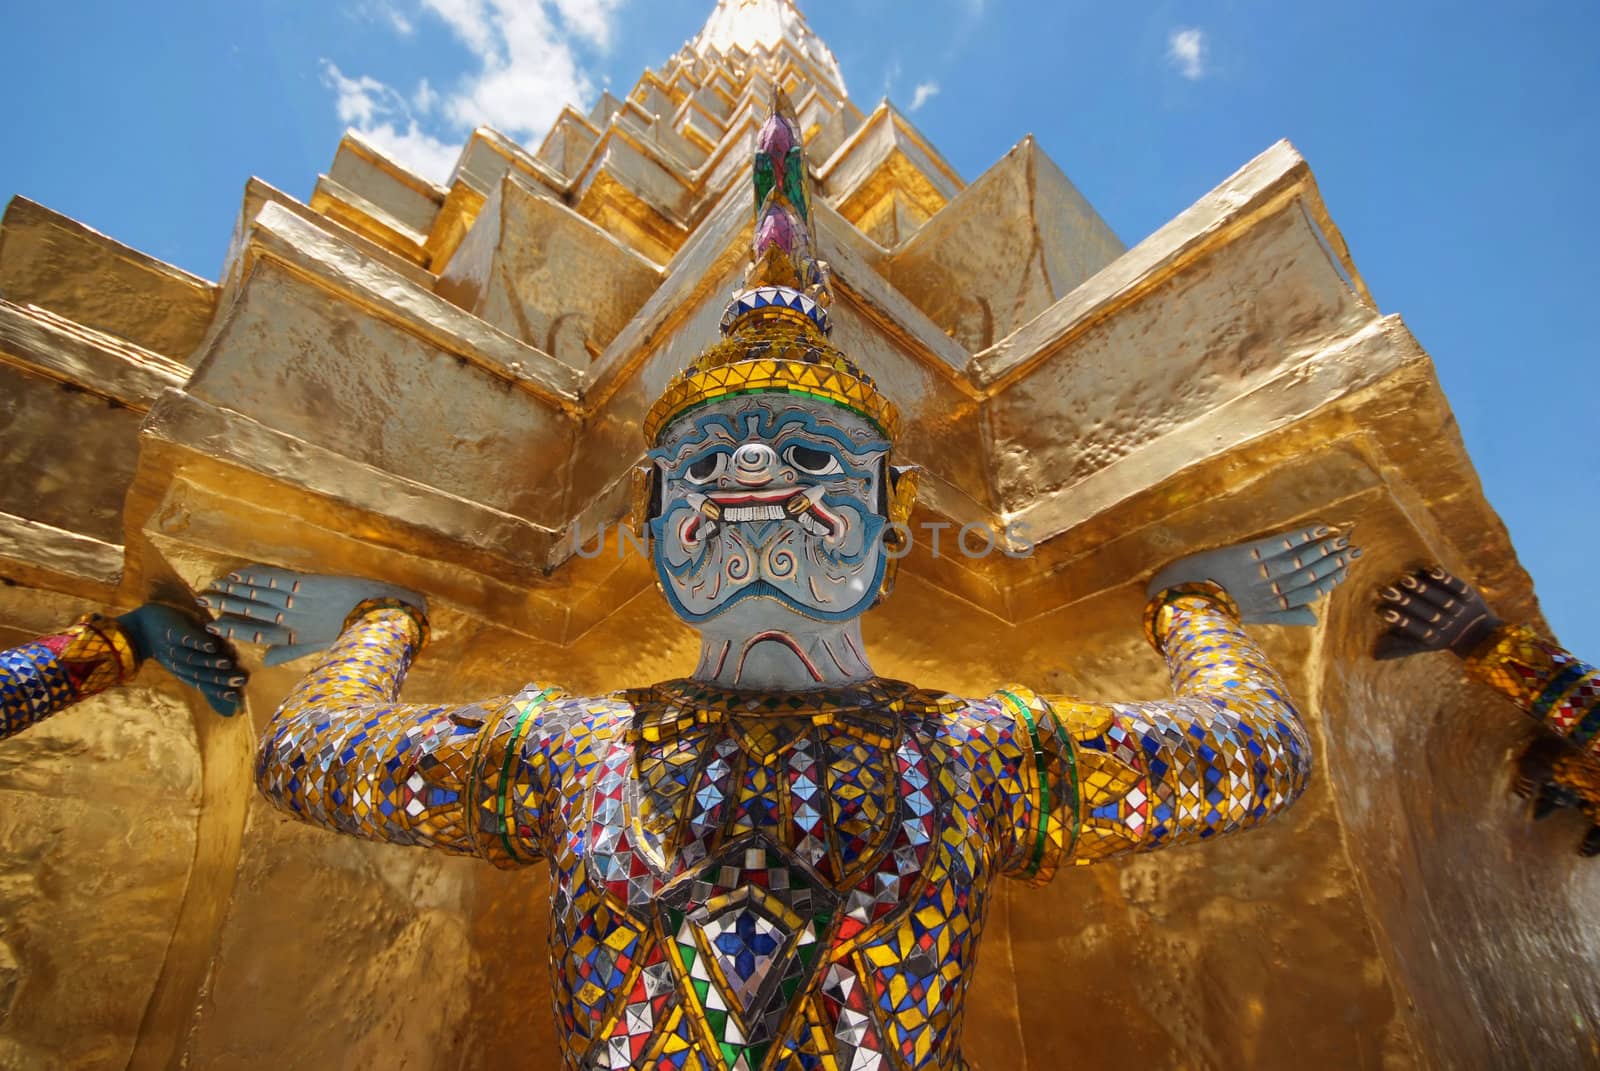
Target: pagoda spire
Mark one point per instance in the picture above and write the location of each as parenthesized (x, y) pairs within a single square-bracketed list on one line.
[(753, 25)]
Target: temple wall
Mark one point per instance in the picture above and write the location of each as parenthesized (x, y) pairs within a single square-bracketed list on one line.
[(1488, 921), (97, 839)]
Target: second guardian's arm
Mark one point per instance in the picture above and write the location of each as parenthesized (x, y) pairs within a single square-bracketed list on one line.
[(1432, 610), (47, 675)]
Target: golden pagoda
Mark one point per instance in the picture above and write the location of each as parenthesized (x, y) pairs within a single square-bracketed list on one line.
[(443, 386)]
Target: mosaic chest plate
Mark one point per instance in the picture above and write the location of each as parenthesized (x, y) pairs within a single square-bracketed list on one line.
[(743, 889)]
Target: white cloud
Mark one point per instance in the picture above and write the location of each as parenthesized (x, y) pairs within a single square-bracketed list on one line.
[(426, 98), (1186, 48), (415, 148), (359, 100), (386, 11), (924, 92), (891, 75), (528, 62)]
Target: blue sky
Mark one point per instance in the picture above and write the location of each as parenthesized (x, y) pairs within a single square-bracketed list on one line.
[(1455, 145)]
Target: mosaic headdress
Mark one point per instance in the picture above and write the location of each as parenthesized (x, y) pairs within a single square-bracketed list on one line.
[(775, 332)]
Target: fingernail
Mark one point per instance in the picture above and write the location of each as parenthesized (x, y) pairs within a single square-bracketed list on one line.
[(210, 648), (1340, 543), (1356, 553), (223, 663), (1392, 594), (1324, 531), (1408, 583), (237, 682), (215, 631), (230, 695), (205, 601)]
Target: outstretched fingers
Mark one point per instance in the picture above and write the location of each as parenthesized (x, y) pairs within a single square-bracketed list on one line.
[(250, 630), (1408, 603), (266, 594), (266, 576), (1286, 564), (221, 689), (219, 680), (1308, 593), (192, 641), (1441, 577), (233, 606), (1288, 542), (1318, 578), (198, 660), (1403, 623), (1435, 593)]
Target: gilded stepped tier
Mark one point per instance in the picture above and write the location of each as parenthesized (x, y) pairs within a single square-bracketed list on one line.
[(443, 386)]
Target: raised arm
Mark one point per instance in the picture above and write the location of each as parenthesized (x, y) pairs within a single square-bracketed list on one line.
[(343, 753), (1227, 753), (49, 674), (1431, 610)]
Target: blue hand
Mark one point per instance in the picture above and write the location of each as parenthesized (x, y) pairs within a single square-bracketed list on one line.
[(1274, 580), (293, 613), (181, 645)]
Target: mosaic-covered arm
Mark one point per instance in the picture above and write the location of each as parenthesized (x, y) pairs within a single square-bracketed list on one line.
[(1227, 753), (341, 753), (1559, 691), (49, 674)]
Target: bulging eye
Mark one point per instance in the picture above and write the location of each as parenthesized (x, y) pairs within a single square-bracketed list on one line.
[(811, 461), (705, 469)]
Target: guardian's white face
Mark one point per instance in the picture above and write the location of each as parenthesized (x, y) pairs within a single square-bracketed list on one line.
[(773, 499)]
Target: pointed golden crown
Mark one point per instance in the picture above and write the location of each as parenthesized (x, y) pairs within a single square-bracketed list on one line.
[(775, 332)]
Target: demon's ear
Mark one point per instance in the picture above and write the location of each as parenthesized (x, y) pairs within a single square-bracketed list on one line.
[(899, 495), (646, 499), (901, 492)]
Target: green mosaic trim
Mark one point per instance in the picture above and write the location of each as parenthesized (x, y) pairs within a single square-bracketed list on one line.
[(1042, 836), (1071, 752), (512, 747)]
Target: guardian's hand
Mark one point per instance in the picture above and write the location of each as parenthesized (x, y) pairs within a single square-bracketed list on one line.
[(1431, 610), (294, 614), (181, 644), (1275, 580)]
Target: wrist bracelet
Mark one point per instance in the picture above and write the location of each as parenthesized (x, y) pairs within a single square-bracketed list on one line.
[(1206, 589), (367, 606)]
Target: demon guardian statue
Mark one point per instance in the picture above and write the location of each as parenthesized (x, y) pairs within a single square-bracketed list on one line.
[(784, 860)]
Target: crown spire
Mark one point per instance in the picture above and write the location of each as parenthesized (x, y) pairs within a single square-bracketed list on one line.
[(776, 329), (784, 252)]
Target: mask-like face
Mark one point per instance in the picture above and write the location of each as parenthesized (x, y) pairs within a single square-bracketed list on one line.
[(772, 498)]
